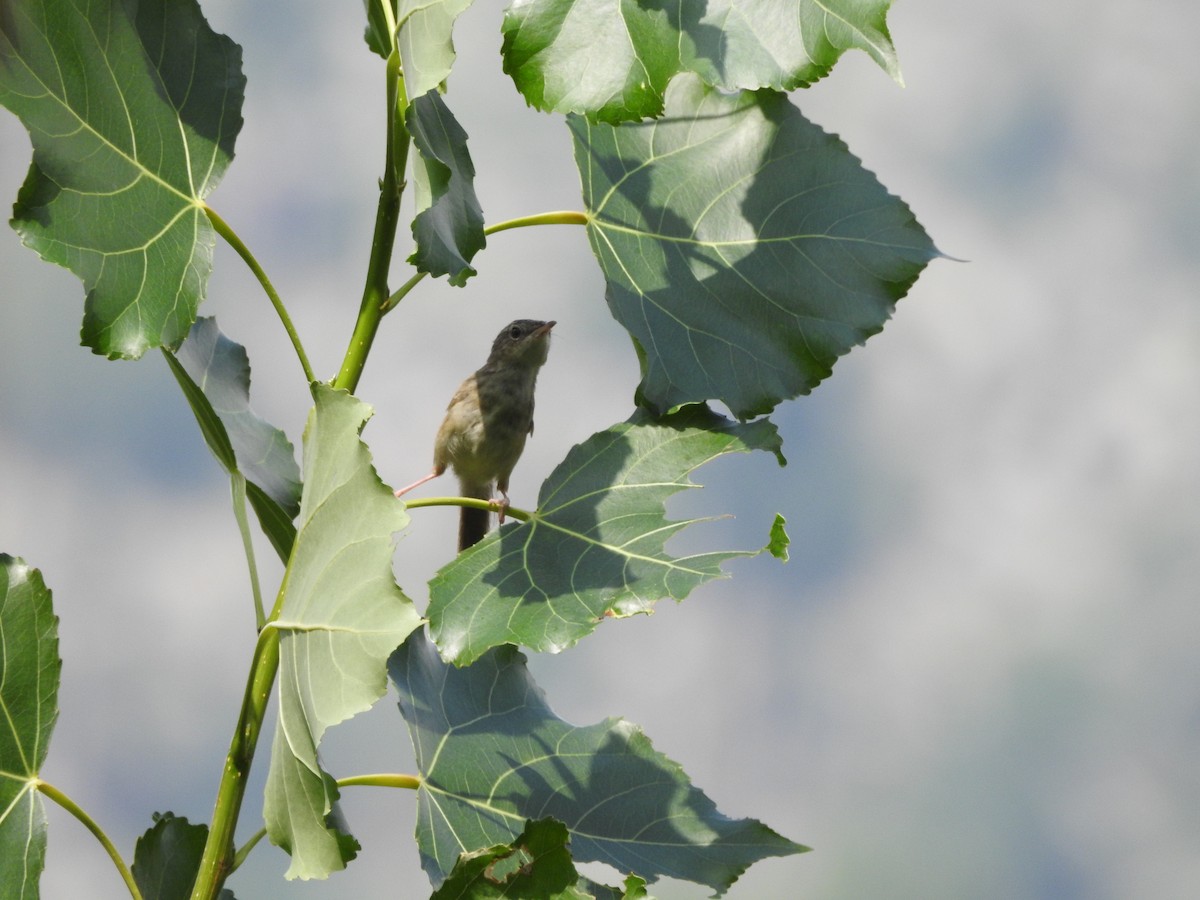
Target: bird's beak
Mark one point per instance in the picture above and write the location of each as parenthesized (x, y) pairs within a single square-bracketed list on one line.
[(544, 329)]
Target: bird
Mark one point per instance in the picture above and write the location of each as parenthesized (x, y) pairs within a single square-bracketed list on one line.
[(487, 423)]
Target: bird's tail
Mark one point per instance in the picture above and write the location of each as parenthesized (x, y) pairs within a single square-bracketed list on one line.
[(473, 523)]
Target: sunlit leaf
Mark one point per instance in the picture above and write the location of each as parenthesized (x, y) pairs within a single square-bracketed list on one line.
[(133, 110), (424, 35), (744, 248), (448, 227), (611, 60), (492, 754), (595, 546), (167, 858), (342, 615), (214, 373), (29, 674)]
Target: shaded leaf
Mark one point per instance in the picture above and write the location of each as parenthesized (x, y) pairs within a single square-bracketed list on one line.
[(342, 615), (133, 110), (595, 546), (214, 373), (744, 248), (377, 34), (29, 675), (424, 40), (536, 863), (448, 227), (167, 858), (492, 754), (611, 60)]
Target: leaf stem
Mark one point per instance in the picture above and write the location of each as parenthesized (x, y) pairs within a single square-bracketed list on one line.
[(238, 488), (231, 238), (244, 850), (384, 779), (89, 823), (559, 217), (387, 216), (512, 512)]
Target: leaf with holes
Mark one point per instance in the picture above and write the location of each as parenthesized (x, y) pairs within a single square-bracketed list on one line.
[(29, 675), (133, 110), (611, 60), (342, 615), (744, 248), (492, 754), (595, 546)]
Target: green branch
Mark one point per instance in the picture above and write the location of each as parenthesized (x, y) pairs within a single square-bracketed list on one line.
[(53, 793), (387, 216), (231, 238), (219, 858)]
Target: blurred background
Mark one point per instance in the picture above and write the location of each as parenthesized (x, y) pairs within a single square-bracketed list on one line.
[(979, 674)]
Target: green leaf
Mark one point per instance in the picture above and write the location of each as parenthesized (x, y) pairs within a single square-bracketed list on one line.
[(167, 858), (611, 60), (448, 227), (536, 863), (341, 616), (377, 35), (595, 546), (745, 249), (214, 373), (29, 675), (424, 40), (492, 754), (133, 110), (779, 542)]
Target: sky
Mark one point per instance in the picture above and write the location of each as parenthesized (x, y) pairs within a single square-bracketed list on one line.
[(979, 674)]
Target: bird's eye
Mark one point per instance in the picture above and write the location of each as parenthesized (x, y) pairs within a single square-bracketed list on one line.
[(515, 332)]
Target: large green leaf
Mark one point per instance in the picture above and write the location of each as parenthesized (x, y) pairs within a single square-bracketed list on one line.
[(744, 248), (29, 674), (167, 858), (492, 753), (448, 226), (611, 60), (214, 373), (342, 615), (133, 110), (595, 546)]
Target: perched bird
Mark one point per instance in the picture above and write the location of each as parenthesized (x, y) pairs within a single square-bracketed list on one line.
[(487, 422)]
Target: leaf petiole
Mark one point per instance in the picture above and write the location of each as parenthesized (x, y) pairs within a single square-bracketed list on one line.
[(50, 791), (224, 230), (383, 779), (511, 512), (558, 217)]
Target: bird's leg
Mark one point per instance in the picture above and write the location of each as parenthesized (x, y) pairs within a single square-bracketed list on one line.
[(420, 481), (501, 505)]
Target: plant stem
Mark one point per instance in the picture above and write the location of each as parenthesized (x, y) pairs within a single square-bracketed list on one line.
[(387, 216), (219, 858), (223, 229), (89, 823)]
